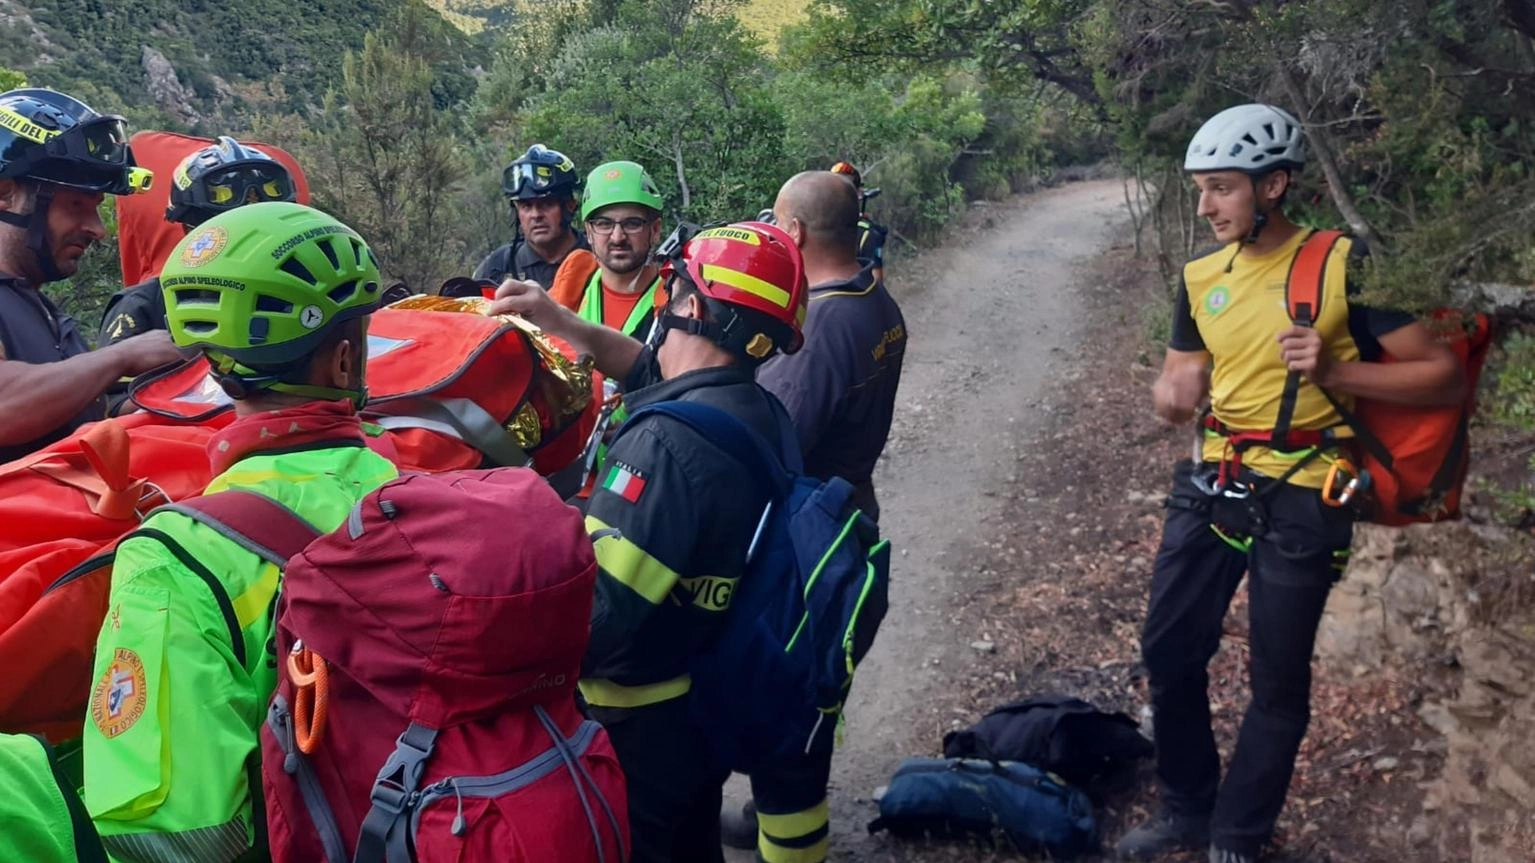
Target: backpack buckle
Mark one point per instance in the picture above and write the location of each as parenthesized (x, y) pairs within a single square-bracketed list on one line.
[(401, 773)]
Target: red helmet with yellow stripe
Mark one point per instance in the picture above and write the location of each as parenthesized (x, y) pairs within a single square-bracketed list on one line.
[(750, 267), (846, 169)]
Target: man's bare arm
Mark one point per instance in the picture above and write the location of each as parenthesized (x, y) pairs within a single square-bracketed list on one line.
[(1183, 385), (613, 351), (36, 398), (1424, 372)]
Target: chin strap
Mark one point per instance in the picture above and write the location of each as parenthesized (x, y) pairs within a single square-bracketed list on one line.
[(693, 326), (36, 225), (1260, 219)]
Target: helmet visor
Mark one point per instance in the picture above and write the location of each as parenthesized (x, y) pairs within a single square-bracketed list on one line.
[(102, 141), (236, 185), (529, 180)]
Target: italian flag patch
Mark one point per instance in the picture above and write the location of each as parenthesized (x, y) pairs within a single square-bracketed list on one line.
[(625, 481)]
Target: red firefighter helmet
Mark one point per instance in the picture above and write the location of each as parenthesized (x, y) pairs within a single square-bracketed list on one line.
[(747, 266), (847, 170)]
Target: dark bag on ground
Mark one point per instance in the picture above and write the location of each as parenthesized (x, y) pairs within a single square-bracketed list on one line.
[(995, 802), (1066, 736)]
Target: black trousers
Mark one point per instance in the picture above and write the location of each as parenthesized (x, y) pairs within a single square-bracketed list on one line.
[(1298, 548), (674, 794), (793, 818)]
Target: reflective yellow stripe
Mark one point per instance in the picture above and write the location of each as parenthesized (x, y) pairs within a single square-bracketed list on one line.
[(748, 283), (778, 835), (245, 478), (606, 693), (630, 564), (14, 122), (252, 605)]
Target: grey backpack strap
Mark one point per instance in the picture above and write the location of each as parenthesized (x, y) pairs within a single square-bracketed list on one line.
[(385, 834), (583, 781), (255, 522), (280, 719), (460, 418)]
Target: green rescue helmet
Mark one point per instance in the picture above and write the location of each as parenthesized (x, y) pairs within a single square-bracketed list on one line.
[(259, 288), (619, 183)]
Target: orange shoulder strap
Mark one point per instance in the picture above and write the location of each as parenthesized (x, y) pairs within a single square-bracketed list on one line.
[(571, 278), (1303, 286)]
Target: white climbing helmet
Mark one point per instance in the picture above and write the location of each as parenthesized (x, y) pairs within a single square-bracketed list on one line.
[(1251, 138)]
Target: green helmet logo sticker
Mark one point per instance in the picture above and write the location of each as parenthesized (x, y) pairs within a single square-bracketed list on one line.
[(1217, 299), (311, 317), (613, 174), (204, 246)]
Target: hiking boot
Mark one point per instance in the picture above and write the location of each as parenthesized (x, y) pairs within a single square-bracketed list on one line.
[(1222, 855), (1164, 833), (738, 827)]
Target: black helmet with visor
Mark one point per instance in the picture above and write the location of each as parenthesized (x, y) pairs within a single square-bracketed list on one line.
[(224, 176), (540, 173), (52, 139)]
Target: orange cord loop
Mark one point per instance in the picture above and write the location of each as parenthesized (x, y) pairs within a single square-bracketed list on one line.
[(311, 681)]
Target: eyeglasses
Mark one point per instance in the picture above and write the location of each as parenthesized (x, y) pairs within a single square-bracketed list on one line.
[(603, 225)]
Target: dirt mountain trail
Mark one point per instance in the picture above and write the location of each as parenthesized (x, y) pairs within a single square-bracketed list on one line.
[(991, 316)]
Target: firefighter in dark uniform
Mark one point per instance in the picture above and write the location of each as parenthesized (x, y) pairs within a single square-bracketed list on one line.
[(544, 191), (57, 160), (672, 516), (839, 392), (215, 179), (871, 234)]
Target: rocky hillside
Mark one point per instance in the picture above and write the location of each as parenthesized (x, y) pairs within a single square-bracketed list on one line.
[(1450, 611), (190, 64)]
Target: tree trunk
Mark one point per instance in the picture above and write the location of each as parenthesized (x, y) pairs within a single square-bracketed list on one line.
[(1322, 149), (682, 179)]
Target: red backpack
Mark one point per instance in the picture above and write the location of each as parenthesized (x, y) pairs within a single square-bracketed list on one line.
[(1415, 457), (428, 652)]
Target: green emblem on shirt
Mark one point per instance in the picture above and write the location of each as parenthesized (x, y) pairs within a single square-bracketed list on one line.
[(1217, 299)]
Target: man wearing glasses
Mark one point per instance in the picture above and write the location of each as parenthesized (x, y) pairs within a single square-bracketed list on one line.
[(542, 186), (622, 213), (58, 158), (212, 180)]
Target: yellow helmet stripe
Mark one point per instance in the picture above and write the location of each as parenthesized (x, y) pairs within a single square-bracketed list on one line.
[(743, 282), (14, 122)]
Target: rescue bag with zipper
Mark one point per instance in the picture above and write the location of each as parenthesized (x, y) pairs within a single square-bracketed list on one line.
[(456, 389), (804, 613)]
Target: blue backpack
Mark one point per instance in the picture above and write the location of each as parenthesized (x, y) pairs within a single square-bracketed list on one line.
[(804, 614), (1006, 803)]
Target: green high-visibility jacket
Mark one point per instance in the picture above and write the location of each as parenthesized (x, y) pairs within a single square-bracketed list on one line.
[(185, 666), (42, 816), (638, 325)]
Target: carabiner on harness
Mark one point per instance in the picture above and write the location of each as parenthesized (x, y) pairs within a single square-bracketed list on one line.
[(1358, 482)]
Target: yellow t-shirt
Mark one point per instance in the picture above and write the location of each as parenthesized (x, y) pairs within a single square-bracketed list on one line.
[(1237, 304)]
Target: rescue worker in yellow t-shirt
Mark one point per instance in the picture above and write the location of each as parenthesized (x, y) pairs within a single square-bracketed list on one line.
[(1233, 341)]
